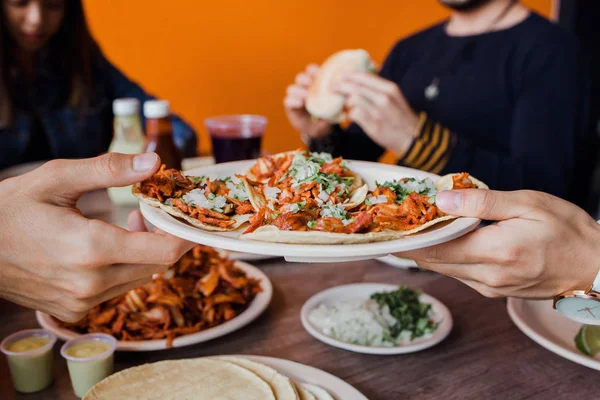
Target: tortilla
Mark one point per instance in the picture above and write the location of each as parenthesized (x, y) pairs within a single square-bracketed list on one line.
[(270, 233), (327, 104), (358, 197), (257, 200), (176, 212), (137, 192), (318, 392), (197, 379), (282, 386), (446, 183), (305, 394)]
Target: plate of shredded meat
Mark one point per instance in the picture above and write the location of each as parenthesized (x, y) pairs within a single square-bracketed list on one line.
[(205, 295)]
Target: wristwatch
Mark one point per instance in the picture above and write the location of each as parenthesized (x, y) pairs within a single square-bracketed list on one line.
[(582, 306)]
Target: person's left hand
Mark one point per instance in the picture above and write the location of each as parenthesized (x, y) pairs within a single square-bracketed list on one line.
[(381, 110)]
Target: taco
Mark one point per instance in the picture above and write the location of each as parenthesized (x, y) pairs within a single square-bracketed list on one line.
[(303, 177), (206, 203), (393, 209)]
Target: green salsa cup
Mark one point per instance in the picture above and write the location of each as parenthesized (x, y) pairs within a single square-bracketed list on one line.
[(31, 370), (86, 371)]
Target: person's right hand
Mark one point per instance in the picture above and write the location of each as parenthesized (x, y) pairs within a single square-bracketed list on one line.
[(295, 107), (55, 260), (541, 246)]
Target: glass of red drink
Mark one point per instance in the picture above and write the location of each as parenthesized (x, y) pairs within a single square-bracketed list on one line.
[(236, 137)]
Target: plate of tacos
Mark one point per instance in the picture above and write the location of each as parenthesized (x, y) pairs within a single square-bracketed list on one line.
[(305, 206)]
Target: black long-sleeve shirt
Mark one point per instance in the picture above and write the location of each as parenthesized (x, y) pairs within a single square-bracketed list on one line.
[(511, 108)]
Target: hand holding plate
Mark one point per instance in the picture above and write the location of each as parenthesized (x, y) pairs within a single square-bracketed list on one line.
[(540, 247), (55, 260)]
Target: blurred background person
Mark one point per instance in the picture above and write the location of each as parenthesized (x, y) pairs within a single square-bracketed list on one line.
[(57, 88), (496, 90), (580, 17)]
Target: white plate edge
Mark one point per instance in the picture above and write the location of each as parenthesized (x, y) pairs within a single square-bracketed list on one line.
[(398, 262)]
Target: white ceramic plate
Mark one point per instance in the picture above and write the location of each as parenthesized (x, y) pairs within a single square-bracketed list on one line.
[(545, 326), (364, 291), (370, 172), (258, 305), (301, 373), (398, 262), (234, 255)]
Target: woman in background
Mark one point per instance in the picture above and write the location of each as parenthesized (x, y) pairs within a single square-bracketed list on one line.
[(57, 88)]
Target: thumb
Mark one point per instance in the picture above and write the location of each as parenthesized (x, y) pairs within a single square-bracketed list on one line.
[(485, 204), (72, 178)]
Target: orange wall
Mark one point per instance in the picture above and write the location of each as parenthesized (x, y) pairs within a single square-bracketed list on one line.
[(238, 56)]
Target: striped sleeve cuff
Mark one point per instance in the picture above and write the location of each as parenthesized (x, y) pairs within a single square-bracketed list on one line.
[(432, 147)]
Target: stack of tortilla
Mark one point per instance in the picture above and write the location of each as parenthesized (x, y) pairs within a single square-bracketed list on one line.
[(214, 378)]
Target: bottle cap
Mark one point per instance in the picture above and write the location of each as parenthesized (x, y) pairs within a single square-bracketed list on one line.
[(125, 107), (156, 109)]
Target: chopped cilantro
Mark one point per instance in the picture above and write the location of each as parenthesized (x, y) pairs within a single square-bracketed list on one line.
[(410, 314), (319, 158), (198, 179), (311, 224), (335, 211), (295, 207), (347, 222), (406, 186)]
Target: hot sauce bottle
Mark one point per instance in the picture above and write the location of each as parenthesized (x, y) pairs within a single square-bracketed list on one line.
[(159, 133)]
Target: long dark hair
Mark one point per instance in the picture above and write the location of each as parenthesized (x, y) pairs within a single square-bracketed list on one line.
[(71, 51)]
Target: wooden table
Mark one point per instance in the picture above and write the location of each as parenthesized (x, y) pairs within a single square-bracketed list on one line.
[(485, 356)]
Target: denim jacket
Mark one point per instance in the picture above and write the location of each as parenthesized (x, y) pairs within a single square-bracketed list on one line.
[(72, 133)]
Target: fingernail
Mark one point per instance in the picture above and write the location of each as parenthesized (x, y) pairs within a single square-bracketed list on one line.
[(144, 162), (448, 200)]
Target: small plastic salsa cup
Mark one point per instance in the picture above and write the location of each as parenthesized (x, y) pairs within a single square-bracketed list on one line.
[(86, 369), (30, 368)]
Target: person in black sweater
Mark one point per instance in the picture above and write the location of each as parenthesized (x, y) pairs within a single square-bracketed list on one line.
[(497, 91)]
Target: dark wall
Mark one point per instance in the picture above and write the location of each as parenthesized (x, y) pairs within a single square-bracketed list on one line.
[(582, 18)]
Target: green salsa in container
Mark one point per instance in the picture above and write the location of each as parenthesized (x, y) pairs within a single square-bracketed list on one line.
[(89, 359), (30, 359)]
